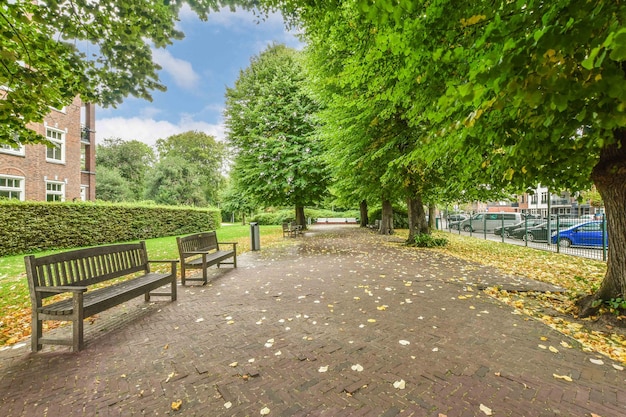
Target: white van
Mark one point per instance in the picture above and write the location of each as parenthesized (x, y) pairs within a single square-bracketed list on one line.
[(489, 221)]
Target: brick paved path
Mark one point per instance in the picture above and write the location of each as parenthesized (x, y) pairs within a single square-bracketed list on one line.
[(332, 324)]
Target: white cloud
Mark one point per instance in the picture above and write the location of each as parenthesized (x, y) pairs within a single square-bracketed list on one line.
[(148, 130), (229, 19), (181, 71)]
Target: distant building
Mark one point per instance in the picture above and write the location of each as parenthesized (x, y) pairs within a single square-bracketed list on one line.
[(542, 202), (62, 172)]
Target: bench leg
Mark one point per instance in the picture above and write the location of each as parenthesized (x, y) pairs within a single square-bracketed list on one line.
[(235, 260), (77, 323), (36, 328), (182, 272)]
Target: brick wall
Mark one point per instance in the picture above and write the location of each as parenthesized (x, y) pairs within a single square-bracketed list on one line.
[(34, 167)]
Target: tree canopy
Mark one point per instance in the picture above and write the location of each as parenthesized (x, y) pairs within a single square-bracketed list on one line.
[(513, 93), (102, 51), (204, 153), (132, 160), (270, 127)]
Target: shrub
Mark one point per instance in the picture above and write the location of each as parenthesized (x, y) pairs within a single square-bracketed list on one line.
[(400, 217), (429, 241), (288, 214), (35, 226)]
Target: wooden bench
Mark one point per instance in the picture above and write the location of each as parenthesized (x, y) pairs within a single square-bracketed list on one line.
[(75, 271), (291, 229), (202, 250)]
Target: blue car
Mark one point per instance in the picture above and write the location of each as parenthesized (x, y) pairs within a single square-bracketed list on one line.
[(584, 234)]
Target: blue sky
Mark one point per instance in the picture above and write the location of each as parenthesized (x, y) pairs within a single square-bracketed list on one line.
[(196, 71)]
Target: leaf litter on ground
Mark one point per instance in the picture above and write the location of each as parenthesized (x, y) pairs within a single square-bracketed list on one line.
[(605, 334)]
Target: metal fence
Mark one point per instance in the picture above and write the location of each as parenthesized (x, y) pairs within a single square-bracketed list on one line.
[(577, 236)]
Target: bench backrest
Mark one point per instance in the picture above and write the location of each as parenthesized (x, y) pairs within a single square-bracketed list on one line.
[(206, 241), (85, 267)]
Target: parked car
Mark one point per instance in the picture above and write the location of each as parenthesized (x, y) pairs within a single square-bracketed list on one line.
[(540, 231), (455, 219), (525, 223), (584, 234), (489, 221)]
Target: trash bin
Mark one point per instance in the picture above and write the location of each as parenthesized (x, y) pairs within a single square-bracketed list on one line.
[(255, 238)]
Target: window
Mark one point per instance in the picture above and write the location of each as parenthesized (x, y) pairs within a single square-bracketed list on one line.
[(591, 227), (16, 149), (55, 191), (83, 157), (84, 189), (56, 151), (12, 187)]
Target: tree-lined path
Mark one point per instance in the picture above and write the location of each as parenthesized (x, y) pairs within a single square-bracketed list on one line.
[(341, 322)]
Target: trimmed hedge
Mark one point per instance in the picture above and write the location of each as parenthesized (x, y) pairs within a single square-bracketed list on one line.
[(35, 226), (285, 215)]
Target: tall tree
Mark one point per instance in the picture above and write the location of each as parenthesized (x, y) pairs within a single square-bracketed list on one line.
[(173, 181), (202, 151), (132, 159), (270, 126), (532, 91), (111, 186)]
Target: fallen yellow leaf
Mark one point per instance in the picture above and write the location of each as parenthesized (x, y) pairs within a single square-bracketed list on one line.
[(564, 377), (177, 404)]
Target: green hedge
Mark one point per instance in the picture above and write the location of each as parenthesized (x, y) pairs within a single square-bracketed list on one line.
[(284, 215), (400, 217), (36, 226)]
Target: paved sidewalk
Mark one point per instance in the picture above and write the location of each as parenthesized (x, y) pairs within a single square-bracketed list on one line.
[(340, 322)]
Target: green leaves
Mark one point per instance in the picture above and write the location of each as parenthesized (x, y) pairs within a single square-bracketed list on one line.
[(52, 52), (269, 116)]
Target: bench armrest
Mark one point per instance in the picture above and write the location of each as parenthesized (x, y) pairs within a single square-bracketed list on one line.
[(172, 262), (229, 243), (61, 289)]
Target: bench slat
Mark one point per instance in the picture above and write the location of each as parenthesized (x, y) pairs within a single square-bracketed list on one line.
[(83, 268), (100, 299), (200, 251)]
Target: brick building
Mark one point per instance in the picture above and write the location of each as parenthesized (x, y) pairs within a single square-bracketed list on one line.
[(63, 172)]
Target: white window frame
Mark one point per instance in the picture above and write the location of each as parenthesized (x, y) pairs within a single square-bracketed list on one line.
[(6, 148), (84, 192), (20, 189), (57, 138), (60, 193)]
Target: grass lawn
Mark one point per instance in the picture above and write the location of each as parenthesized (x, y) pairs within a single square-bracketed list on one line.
[(15, 303)]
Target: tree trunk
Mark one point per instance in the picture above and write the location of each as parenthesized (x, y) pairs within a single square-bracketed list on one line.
[(243, 218), (609, 176), (363, 210), (432, 217), (417, 218), (300, 219), (386, 223)]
